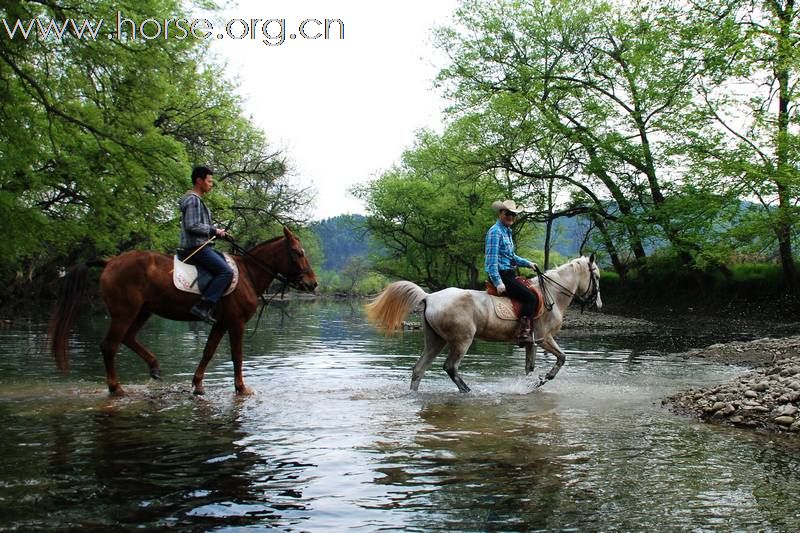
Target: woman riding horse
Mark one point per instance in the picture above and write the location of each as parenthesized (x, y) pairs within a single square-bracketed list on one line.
[(501, 263)]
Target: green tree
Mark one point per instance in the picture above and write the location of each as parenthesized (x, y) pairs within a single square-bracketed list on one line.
[(750, 144), (431, 213), (99, 135), (613, 83)]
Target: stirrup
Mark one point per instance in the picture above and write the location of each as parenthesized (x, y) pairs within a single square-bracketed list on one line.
[(203, 310)]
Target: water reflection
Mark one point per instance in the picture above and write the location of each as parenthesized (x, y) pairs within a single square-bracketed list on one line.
[(333, 439)]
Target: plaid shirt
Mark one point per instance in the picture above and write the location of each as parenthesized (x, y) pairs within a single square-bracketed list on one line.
[(500, 252), (196, 225)]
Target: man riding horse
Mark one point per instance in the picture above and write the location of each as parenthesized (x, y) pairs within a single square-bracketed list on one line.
[(501, 263), (197, 246)]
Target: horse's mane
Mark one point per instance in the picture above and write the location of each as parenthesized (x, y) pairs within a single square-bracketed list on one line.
[(565, 265), (264, 243)]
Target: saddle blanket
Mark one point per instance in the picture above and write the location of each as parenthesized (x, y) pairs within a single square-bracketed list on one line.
[(507, 308), (185, 278)]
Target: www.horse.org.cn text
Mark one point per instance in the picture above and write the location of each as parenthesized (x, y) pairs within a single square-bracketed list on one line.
[(270, 31)]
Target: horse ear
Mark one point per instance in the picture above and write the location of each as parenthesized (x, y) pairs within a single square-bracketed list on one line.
[(591, 258), (287, 233)]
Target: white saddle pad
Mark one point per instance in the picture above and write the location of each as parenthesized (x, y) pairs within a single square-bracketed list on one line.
[(503, 308), (184, 276)]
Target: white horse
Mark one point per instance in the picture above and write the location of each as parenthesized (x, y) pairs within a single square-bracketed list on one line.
[(454, 317)]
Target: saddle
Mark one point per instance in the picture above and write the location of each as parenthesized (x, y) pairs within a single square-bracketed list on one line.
[(511, 312), (189, 278)]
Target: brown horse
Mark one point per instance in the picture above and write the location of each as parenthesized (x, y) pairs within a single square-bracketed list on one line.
[(137, 284)]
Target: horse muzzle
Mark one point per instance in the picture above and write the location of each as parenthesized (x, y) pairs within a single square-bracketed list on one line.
[(308, 285)]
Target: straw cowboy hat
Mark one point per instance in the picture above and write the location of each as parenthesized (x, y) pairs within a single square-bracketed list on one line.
[(507, 205)]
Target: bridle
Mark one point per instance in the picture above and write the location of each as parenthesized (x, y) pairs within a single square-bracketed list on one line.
[(293, 279), (588, 297)]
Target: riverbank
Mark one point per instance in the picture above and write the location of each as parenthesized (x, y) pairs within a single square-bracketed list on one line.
[(765, 398)]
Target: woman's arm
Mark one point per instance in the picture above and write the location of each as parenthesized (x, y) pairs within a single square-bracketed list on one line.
[(492, 257)]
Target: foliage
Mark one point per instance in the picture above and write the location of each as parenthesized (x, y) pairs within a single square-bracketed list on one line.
[(656, 125), (99, 137), (431, 213)]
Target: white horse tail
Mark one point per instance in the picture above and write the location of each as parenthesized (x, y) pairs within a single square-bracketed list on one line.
[(392, 305)]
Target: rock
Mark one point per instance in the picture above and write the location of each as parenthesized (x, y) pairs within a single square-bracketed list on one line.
[(718, 406), (794, 385), (750, 394), (788, 410), (761, 386), (784, 420), (736, 419), (795, 426), (728, 410)]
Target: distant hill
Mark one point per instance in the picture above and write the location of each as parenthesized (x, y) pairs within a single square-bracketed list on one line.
[(342, 237)]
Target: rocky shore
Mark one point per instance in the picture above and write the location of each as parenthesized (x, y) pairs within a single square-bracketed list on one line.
[(767, 397)]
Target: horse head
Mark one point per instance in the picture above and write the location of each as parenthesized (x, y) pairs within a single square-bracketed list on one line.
[(298, 269), (589, 286)]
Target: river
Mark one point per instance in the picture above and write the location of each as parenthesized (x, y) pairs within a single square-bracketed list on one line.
[(333, 440)]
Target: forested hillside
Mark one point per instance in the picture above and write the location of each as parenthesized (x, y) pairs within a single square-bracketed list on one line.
[(342, 237)]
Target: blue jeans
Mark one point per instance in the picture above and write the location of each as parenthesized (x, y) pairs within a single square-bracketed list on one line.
[(212, 260)]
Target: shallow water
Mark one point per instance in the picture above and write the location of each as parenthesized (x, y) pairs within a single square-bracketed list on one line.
[(334, 440)]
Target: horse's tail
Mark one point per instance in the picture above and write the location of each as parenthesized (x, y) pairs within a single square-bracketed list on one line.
[(393, 304), (70, 295)]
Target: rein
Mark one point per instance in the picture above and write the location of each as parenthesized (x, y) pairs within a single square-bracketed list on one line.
[(587, 298), (294, 283), (285, 282)]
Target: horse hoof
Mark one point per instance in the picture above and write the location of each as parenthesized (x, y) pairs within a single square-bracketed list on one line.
[(117, 392), (155, 373), (199, 391), (244, 391)]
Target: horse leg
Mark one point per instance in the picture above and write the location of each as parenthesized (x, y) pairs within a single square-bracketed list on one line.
[(550, 344), (116, 332), (208, 352), (236, 335), (130, 341), (433, 345), (454, 357), (530, 357)]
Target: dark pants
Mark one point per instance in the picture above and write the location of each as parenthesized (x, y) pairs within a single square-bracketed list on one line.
[(515, 289), (213, 261)]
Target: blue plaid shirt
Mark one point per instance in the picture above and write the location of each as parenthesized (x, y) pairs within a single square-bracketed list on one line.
[(196, 225), (500, 252)]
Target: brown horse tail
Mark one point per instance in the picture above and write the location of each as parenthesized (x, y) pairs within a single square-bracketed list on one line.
[(70, 295), (393, 304)]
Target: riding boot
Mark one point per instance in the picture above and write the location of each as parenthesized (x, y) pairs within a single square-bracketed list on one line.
[(525, 336), (204, 310)]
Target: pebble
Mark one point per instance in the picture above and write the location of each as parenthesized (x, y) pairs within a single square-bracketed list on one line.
[(767, 398)]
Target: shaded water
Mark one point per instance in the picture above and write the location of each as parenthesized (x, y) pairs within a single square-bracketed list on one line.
[(333, 439)]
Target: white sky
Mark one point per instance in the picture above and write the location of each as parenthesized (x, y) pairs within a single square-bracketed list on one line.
[(343, 110)]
